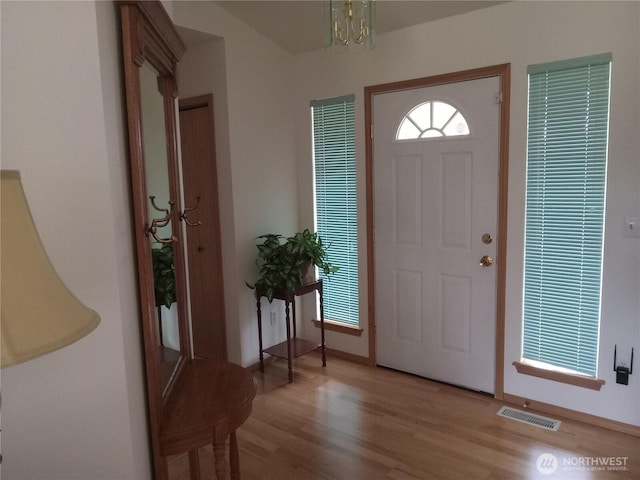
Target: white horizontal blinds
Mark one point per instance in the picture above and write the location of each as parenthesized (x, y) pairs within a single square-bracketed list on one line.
[(334, 153), (566, 178)]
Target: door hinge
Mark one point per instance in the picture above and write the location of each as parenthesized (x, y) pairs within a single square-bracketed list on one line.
[(498, 97), (371, 131)]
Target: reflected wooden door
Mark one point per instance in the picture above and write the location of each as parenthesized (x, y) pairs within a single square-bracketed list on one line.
[(200, 183)]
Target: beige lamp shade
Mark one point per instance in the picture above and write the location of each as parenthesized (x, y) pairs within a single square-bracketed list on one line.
[(39, 313)]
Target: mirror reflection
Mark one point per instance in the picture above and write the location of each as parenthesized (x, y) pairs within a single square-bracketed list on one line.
[(159, 208)]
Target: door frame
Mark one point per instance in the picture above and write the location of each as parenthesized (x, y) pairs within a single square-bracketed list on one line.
[(503, 71)]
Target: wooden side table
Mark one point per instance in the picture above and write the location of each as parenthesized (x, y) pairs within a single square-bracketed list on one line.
[(293, 346), (211, 400)]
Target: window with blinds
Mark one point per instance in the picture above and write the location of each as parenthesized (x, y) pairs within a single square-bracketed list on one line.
[(334, 156), (565, 207)]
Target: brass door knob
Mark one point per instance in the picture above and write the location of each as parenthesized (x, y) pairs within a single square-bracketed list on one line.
[(486, 261)]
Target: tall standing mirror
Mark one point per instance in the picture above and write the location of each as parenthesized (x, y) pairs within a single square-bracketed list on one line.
[(161, 208), (192, 403), (152, 49)]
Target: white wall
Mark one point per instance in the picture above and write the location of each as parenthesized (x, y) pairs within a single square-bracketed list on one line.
[(78, 413), (251, 82), (520, 33)]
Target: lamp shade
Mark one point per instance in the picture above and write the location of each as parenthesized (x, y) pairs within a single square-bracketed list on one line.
[(39, 313)]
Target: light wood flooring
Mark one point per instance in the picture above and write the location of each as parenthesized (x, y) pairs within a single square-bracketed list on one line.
[(353, 422)]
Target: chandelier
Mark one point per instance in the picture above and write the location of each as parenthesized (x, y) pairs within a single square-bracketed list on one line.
[(351, 23)]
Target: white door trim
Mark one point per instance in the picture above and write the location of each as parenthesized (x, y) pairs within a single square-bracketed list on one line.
[(502, 71)]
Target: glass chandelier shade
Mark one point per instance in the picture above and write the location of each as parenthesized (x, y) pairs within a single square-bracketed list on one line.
[(39, 313), (351, 24)]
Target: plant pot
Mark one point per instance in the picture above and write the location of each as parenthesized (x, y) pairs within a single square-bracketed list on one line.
[(308, 273)]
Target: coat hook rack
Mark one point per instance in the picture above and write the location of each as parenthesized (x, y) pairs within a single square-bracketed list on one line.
[(622, 371), (161, 222), (183, 216)]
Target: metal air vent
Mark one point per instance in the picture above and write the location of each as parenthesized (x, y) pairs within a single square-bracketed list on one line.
[(530, 418)]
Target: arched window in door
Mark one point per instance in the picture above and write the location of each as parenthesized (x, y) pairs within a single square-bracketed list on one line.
[(432, 119)]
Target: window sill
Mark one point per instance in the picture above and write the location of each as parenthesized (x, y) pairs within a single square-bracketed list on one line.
[(339, 327), (569, 378)]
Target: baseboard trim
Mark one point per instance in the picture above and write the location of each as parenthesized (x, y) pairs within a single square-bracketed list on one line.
[(348, 356), (254, 367), (621, 427)]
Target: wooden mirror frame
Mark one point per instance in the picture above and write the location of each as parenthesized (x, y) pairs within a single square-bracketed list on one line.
[(149, 36)]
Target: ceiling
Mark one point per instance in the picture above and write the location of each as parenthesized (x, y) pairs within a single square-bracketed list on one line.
[(298, 26)]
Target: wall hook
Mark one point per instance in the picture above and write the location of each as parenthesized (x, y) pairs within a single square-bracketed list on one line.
[(183, 216), (161, 222)]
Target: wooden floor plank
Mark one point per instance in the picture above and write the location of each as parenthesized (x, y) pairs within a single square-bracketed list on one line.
[(352, 422)]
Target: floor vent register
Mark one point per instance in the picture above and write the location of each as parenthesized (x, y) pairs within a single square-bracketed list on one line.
[(530, 418)]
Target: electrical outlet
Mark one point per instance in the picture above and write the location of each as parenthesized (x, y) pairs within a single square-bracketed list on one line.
[(632, 226), (272, 318)]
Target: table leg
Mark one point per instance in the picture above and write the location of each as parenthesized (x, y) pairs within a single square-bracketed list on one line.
[(194, 465), (323, 346), (234, 457), (259, 312), (220, 463), (288, 319), (293, 311)]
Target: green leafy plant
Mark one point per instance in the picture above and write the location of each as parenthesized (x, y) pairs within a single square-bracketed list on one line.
[(307, 247), (163, 275), (282, 264)]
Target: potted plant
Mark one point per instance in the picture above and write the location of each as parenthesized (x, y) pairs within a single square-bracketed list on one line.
[(284, 265), (307, 248), (164, 281)]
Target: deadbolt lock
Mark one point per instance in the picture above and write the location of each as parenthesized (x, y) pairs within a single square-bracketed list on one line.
[(487, 238)]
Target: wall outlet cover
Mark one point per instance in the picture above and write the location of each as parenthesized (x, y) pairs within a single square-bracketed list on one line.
[(632, 226)]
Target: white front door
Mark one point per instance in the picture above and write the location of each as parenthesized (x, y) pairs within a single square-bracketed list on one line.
[(435, 218)]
